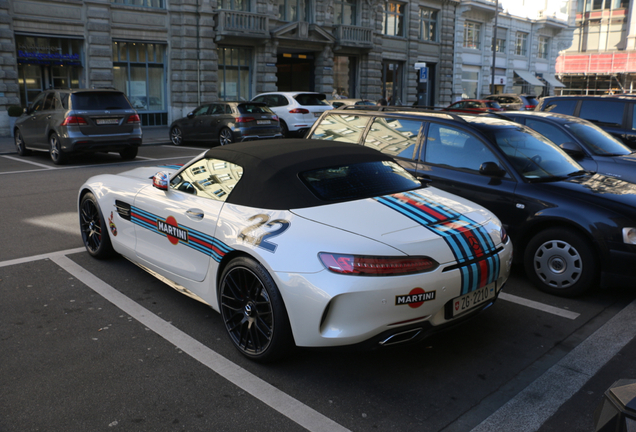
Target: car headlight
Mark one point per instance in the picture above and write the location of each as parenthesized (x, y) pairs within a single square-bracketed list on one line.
[(629, 236)]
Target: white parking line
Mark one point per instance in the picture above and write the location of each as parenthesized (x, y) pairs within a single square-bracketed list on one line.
[(540, 306), (291, 408), (26, 161)]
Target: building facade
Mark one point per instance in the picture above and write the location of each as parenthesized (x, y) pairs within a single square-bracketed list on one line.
[(602, 57)]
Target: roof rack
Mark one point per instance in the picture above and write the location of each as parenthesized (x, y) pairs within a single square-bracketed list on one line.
[(402, 108)]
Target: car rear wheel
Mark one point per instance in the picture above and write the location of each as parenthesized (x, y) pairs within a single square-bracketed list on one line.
[(55, 150), (284, 129), (176, 136), (225, 136), (253, 311), (561, 262), (94, 229), (19, 144), (130, 153)]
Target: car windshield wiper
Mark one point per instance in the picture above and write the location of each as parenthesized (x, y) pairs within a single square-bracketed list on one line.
[(580, 172)]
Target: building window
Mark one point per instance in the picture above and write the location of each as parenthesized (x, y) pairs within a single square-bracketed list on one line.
[(138, 71), (292, 10), (161, 4), (235, 68), (521, 44), (501, 46), (344, 77), (428, 24), (470, 82), (472, 35), (393, 24), (235, 5), (544, 44), (345, 12)]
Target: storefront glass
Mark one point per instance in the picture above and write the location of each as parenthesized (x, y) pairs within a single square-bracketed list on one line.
[(234, 74), (138, 71), (344, 77)]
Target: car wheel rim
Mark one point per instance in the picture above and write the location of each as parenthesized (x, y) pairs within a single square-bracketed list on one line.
[(247, 311), (176, 136), (18, 142), (90, 223), (558, 264), (226, 137), (55, 148)]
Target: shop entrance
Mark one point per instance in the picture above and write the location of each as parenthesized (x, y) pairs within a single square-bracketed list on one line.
[(295, 72)]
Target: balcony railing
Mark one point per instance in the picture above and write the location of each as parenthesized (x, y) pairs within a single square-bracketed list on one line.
[(247, 24), (354, 36)]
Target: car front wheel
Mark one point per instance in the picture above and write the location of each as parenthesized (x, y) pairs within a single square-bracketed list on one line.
[(55, 150), (253, 311), (561, 262), (176, 136), (225, 136), (93, 228)]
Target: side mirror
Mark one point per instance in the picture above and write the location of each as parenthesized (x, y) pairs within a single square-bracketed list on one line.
[(190, 115), (491, 169), (161, 180), (572, 149)]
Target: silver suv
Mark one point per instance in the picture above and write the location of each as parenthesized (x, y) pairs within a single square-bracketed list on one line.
[(79, 121)]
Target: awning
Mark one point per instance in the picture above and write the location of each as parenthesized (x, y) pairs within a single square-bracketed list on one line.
[(551, 79), (529, 78)]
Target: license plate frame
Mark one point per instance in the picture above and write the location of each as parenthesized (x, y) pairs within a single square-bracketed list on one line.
[(317, 114), (263, 122), (467, 302), (107, 122)]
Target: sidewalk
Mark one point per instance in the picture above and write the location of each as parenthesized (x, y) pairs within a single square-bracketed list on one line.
[(153, 135)]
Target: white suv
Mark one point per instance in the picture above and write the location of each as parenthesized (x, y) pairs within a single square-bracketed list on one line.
[(297, 111)]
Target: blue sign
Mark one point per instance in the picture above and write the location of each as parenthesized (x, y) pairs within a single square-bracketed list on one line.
[(424, 74)]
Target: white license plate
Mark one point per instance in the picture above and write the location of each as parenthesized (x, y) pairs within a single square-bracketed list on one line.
[(473, 299), (317, 114), (107, 121), (263, 122)]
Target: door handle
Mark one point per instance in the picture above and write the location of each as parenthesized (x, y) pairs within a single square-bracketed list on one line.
[(195, 214)]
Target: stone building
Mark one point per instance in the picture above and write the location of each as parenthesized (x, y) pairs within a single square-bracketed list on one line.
[(170, 56)]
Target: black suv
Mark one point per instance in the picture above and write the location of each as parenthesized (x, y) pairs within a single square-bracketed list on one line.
[(614, 114), (572, 228), (515, 102), (79, 120)]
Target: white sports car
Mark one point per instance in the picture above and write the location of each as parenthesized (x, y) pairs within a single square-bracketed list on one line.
[(302, 242)]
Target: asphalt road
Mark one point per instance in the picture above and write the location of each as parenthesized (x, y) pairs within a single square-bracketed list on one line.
[(88, 345)]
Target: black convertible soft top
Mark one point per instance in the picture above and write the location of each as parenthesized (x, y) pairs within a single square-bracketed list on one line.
[(270, 169)]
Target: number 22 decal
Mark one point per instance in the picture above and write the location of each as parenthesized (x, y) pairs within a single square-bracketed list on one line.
[(262, 240)]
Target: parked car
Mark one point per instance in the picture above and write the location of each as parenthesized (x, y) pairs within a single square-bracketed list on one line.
[(337, 103), (297, 110), (515, 102), (589, 145), (303, 242), (225, 123), (571, 228), (614, 114), (473, 105), (79, 121)]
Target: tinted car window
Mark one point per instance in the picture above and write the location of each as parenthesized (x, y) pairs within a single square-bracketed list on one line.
[(99, 101), (597, 140), (553, 133), (202, 110), (38, 103), (49, 102), (311, 99), (347, 128), (395, 137), (64, 101), (356, 181), (561, 106), (452, 147), (208, 178), (253, 109), (605, 112)]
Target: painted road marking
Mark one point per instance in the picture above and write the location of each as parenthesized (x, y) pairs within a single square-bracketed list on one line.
[(539, 306), (26, 161)]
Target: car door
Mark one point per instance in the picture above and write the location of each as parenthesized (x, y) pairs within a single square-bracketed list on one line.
[(451, 158), (397, 137), (175, 228), (33, 129), (190, 126)]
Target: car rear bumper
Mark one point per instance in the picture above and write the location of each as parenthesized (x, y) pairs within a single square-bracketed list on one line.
[(78, 143)]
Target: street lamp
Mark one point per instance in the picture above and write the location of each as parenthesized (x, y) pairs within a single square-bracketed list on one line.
[(617, 411)]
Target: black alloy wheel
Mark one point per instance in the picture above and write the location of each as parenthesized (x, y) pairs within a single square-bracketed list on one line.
[(560, 261), (94, 229), (176, 136), (253, 311)]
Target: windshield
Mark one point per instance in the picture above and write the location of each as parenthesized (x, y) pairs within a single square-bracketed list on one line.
[(533, 156), (597, 140)]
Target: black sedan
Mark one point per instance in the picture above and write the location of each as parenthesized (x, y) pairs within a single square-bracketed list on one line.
[(225, 123), (588, 144)]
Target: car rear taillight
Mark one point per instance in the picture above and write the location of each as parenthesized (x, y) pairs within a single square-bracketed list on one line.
[(134, 119), (74, 120), (530, 107), (299, 111), (275, 117), (364, 265), (244, 119)]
